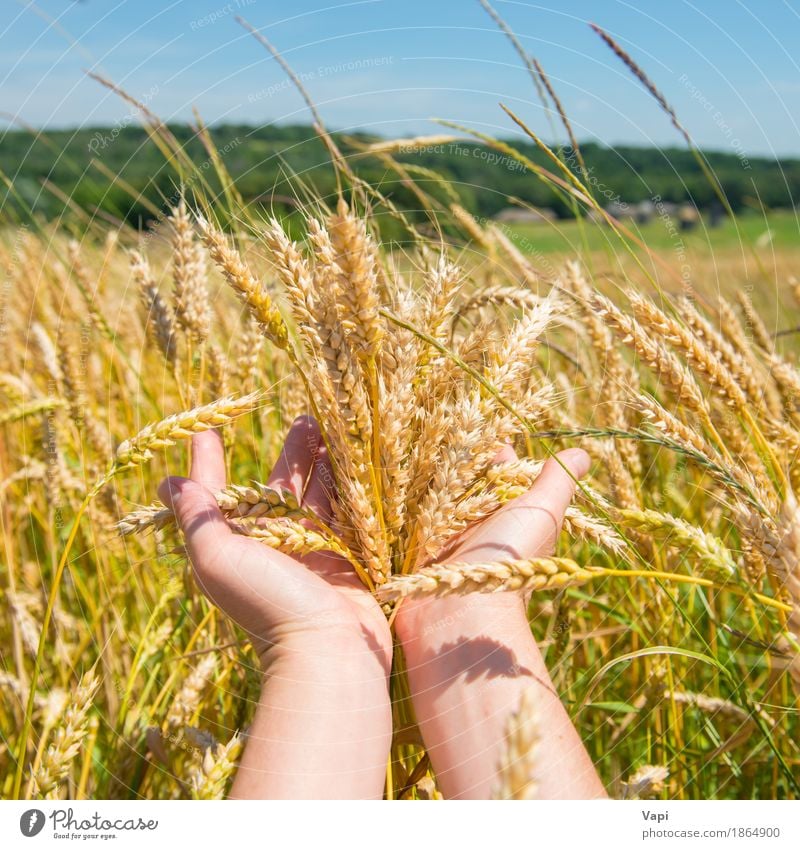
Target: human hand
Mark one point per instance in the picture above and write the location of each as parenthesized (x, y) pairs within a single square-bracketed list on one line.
[(324, 707), (276, 598), (526, 527), (470, 658)]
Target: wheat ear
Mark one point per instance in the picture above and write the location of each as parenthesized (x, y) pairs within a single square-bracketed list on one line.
[(66, 743), (159, 317), (139, 448), (210, 779), (189, 277), (537, 573), (516, 773), (253, 293)]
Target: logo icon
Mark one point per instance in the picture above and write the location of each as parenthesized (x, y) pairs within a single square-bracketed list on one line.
[(31, 822)]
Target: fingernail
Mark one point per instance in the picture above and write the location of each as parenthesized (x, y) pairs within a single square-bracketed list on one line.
[(576, 460), (170, 490)]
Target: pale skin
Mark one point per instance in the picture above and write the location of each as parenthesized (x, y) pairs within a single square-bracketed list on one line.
[(322, 726)]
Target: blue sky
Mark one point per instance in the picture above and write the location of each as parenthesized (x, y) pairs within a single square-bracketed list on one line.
[(389, 66)]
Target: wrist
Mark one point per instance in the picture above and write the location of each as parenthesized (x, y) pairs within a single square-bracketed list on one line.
[(332, 653), (323, 712), (426, 622)]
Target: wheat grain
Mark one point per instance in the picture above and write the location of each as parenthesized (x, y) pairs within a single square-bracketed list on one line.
[(188, 698), (762, 336), (538, 573), (291, 537), (168, 431), (65, 745), (158, 314), (236, 501), (357, 260), (646, 782), (655, 355), (711, 555), (210, 779), (189, 277)]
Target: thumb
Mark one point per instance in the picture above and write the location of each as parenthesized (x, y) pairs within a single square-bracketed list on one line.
[(539, 513), (529, 525), (555, 486), (198, 516)]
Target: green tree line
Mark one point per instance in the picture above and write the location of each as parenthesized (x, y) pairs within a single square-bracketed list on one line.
[(119, 172)]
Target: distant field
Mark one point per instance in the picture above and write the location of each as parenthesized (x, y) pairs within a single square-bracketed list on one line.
[(779, 230)]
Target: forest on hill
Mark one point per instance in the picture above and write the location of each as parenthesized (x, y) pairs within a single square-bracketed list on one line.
[(119, 172)]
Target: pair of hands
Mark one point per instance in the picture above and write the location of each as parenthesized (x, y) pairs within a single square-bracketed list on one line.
[(326, 646)]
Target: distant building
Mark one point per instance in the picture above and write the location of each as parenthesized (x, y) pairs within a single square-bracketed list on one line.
[(522, 215), (715, 213), (688, 216), (621, 210), (644, 211), (666, 207)]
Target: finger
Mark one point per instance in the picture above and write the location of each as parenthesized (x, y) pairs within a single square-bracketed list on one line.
[(321, 487), (506, 454), (208, 460), (529, 525), (294, 465), (198, 516), (555, 486)]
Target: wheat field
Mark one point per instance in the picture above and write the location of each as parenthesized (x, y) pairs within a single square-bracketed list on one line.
[(669, 615)]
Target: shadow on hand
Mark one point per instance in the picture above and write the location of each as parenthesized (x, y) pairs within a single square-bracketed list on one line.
[(472, 659)]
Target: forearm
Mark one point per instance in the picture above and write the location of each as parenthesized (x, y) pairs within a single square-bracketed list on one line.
[(322, 727), (469, 660)]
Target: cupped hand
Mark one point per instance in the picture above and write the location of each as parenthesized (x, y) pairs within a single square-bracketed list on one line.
[(527, 526), (470, 658), (276, 598)]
